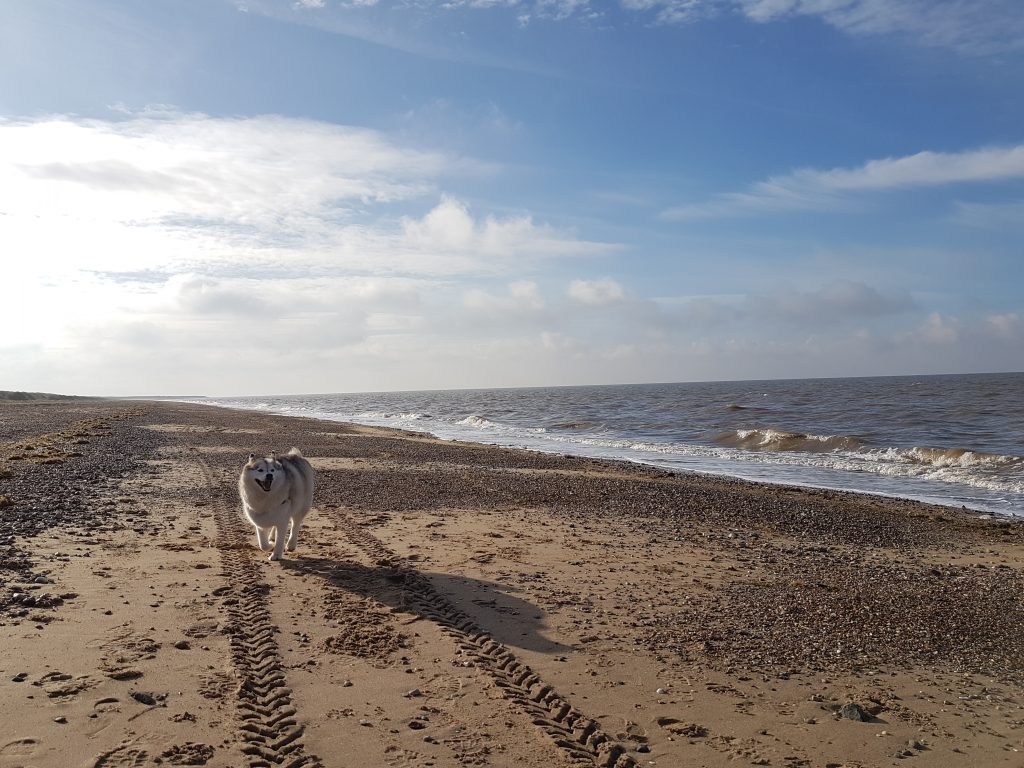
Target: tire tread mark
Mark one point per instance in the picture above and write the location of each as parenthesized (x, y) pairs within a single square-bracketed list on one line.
[(581, 737), (269, 733)]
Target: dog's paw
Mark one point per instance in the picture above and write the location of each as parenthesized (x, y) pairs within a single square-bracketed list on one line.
[(275, 557)]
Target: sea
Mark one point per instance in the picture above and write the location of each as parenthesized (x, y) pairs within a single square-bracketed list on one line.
[(956, 440)]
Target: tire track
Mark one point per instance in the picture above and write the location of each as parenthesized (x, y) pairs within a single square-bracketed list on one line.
[(580, 736), (269, 729)]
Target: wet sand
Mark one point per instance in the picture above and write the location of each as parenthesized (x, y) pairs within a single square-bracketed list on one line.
[(462, 605)]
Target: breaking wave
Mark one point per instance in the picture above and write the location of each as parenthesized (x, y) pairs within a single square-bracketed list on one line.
[(781, 440), (475, 421), (938, 458), (949, 457)]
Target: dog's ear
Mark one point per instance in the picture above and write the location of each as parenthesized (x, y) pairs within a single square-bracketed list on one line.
[(252, 457), (273, 455)]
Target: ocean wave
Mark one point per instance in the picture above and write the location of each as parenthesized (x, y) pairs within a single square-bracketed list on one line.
[(781, 440), (576, 426), (941, 458), (389, 416), (475, 421)]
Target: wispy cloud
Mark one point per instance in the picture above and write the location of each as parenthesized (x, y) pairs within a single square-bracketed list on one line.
[(1008, 216), (967, 26), (970, 27), (813, 189)]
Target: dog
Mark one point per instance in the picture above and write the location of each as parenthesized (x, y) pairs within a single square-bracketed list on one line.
[(276, 490)]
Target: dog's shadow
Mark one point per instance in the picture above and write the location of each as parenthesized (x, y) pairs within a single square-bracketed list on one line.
[(508, 619)]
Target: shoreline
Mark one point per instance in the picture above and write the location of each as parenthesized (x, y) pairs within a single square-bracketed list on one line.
[(744, 469), (458, 604)]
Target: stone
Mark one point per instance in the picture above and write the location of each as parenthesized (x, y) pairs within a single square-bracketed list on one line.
[(853, 711)]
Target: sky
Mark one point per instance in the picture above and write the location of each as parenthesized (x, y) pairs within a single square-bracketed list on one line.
[(231, 197)]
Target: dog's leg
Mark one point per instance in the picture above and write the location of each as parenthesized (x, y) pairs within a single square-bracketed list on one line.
[(278, 552), (261, 539), (293, 535)]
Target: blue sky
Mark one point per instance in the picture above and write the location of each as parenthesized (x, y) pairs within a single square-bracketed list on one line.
[(272, 196)]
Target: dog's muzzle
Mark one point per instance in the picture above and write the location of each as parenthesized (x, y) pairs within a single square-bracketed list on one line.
[(266, 482)]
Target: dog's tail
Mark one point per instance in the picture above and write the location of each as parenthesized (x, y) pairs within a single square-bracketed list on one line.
[(295, 452)]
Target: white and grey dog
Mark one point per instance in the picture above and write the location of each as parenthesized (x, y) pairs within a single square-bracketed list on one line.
[(276, 490)]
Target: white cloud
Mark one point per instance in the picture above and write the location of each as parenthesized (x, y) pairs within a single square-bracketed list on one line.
[(975, 27), (939, 329), (596, 292), (177, 192), (673, 11), (450, 228), (968, 26), (1008, 325), (262, 171), (521, 296), (813, 189)]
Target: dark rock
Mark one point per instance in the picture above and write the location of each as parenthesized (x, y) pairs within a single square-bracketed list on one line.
[(853, 711)]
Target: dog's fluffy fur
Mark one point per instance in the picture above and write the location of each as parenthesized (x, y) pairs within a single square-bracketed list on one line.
[(276, 490)]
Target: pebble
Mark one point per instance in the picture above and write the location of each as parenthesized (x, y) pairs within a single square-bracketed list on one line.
[(182, 645)]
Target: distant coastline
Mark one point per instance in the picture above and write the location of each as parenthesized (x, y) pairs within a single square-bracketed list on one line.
[(15, 395)]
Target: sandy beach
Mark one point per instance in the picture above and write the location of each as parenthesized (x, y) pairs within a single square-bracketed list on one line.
[(454, 605)]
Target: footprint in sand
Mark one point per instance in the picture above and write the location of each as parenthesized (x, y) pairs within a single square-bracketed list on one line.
[(107, 704), (19, 748), (680, 728), (632, 732), (398, 757), (216, 685), (188, 753), (121, 756), (59, 685)]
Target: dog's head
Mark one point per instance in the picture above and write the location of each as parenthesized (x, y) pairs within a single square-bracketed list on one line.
[(262, 471)]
